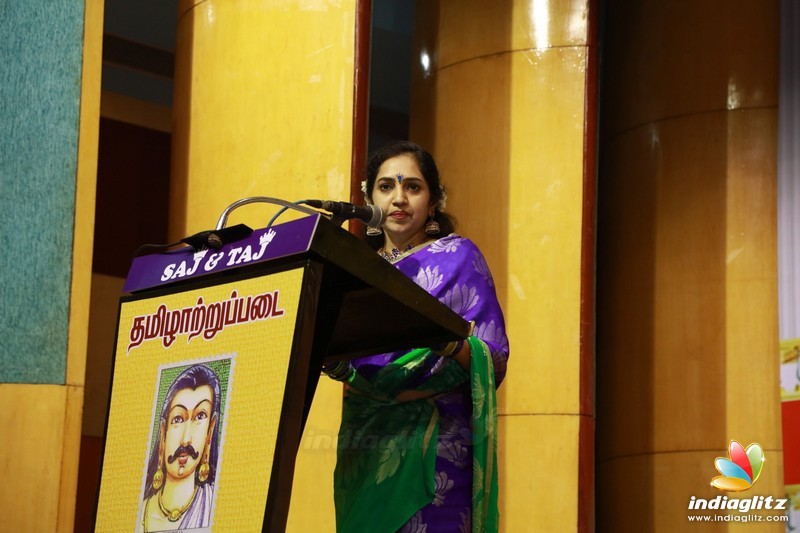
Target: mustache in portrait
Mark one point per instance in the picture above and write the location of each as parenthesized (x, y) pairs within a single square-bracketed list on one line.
[(188, 450)]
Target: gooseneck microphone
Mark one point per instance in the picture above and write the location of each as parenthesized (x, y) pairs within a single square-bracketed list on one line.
[(371, 215)]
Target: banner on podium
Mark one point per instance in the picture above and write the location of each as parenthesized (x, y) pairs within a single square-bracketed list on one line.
[(198, 385)]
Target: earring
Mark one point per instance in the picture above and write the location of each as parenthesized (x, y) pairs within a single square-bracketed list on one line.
[(374, 231), (204, 470), (158, 477), (432, 227)]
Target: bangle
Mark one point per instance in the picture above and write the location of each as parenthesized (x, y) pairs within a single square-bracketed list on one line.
[(449, 349), (341, 371)]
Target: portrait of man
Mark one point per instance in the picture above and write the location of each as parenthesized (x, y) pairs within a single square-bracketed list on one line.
[(181, 471)]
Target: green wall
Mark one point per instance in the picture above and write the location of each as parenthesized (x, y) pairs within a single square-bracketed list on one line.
[(41, 44)]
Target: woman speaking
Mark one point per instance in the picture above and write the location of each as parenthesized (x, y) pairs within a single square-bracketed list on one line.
[(417, 445)]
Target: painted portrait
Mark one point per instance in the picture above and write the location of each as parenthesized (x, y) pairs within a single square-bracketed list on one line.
[(184, 451)]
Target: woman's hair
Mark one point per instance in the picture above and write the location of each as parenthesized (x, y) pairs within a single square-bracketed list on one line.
[(429, 172)]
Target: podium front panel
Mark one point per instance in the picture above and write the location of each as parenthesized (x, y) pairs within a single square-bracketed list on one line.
[(206, 368)]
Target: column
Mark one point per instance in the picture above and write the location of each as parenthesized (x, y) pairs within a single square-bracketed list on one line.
[(503, 95), (263, 106), (687, 331)]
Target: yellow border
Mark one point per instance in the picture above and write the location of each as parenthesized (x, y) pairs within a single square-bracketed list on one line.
[(83, 240)]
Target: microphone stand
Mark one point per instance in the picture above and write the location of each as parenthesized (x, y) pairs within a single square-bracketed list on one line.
[(222, 234), (223, 219)]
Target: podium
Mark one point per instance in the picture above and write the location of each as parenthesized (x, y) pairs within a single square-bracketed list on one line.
[(251, 323)]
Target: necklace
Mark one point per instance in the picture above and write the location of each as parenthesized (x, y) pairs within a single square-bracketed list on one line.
[(173, 515), (396, 255)]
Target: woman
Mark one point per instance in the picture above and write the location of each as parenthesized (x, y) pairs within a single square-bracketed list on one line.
[(417, 442)]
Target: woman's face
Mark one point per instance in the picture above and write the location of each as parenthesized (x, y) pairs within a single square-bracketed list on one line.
[(403, 194)]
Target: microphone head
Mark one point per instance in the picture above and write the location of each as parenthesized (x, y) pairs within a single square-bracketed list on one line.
[(378, 216)]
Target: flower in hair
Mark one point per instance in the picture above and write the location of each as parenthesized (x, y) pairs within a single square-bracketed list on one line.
[(364, 190), (442, 198)]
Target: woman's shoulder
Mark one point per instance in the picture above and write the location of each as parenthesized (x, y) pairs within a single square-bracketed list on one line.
[(453, 259), (456, 252), (452, 244)]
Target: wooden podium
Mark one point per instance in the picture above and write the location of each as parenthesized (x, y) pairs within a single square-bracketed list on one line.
[(262, 313)]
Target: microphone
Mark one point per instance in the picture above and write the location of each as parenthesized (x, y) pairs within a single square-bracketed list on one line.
[(371, 215)]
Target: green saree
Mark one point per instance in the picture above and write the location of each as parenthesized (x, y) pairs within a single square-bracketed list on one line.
[(387, 448)]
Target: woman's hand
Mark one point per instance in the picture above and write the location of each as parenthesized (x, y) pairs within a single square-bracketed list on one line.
[(458, 350)]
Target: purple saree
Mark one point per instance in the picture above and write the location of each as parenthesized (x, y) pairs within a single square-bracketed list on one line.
[(453, 270)]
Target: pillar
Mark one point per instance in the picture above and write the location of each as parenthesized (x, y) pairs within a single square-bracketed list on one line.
[(503, 95), (263, 106), (687, 331)]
